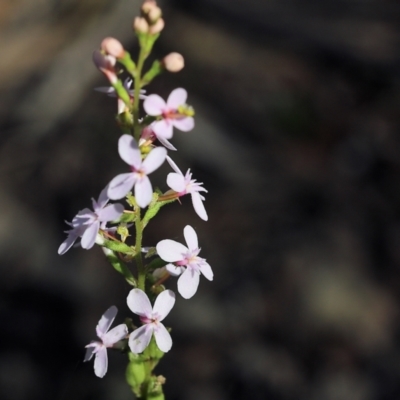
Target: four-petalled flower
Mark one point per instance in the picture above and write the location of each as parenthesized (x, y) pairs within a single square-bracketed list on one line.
[(151, 318), (123, 183), (107, 340), (173, 113), (185, 262), (86, 223), (184, 184)]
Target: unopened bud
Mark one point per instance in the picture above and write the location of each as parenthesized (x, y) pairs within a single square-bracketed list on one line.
[(113, 47), (157, 27), (105, 64), (140, 25), (154, 14), (173, 62), (148, 5)]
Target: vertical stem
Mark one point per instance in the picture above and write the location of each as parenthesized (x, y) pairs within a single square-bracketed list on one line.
[(138, 246)]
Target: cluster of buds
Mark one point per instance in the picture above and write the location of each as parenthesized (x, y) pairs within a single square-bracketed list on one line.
[(143, 146), (150, 22)]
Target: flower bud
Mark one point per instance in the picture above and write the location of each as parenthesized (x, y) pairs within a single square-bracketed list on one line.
[(113, 47), (140, 25), (157, 27), (154, 14), (105, 64), (173, 62), (148, 5)]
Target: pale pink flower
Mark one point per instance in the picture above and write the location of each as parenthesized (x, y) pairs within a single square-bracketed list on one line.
[(185, 262), (151, 318), (86, 223), (184, 184), (148, 134), (129, 151), (169, 112), (107, 340)]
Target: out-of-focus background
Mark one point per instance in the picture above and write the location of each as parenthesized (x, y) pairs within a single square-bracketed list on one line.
[(297, 141)]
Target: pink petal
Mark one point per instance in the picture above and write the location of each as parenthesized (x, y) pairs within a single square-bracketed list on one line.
[(163, 129), (177, 98), (140, 338), (106, 320), (101, 362), (199, 206), (176, 182), (188, 283), (184, 124), (164, 303), (115, 335), (154, 105), (90, 350), (166, 143), (190, 237), (129, 151), (154, 159), (171, 251), (206, 270), (139, 303), (163, 338), (111, 212), (103, 199), (121, 185), (174, 166), (89, 237), (143, 192)]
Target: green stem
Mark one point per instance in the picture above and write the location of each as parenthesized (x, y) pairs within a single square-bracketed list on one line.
[(138, 246)]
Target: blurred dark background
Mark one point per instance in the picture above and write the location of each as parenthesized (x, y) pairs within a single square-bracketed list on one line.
[(297, 141)]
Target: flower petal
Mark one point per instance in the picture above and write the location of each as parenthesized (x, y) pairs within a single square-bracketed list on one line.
[(177, 98), (163, 129), (154, 159), (129, 151), (190, 237), (143, 192), (110, 212), (120, 186), (164, 303), (105, 321), (176, 182), (166, 144), (140, 338), (154, 105), (67, 243), (199, 206), (163, 338), (188, 283), (101, 362), (115, 335), (90, 350), (103, 199), (139, 303), (171, 251), (206, 270), (184, 124), (89, 237), (173, 165)]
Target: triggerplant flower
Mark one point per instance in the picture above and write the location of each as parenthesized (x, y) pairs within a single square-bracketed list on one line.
[(174, 113), (123, 183), (151, 318), (184, 184), (107, 340), (86, 223), (185, 261)]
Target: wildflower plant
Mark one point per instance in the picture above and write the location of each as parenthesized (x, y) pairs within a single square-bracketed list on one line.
[(118, 227)]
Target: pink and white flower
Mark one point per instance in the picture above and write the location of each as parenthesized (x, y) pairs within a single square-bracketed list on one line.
[(129, 151), (184, 184), (86, 223), (107, 340), (151, 318), (169, 112), (185, 261)]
